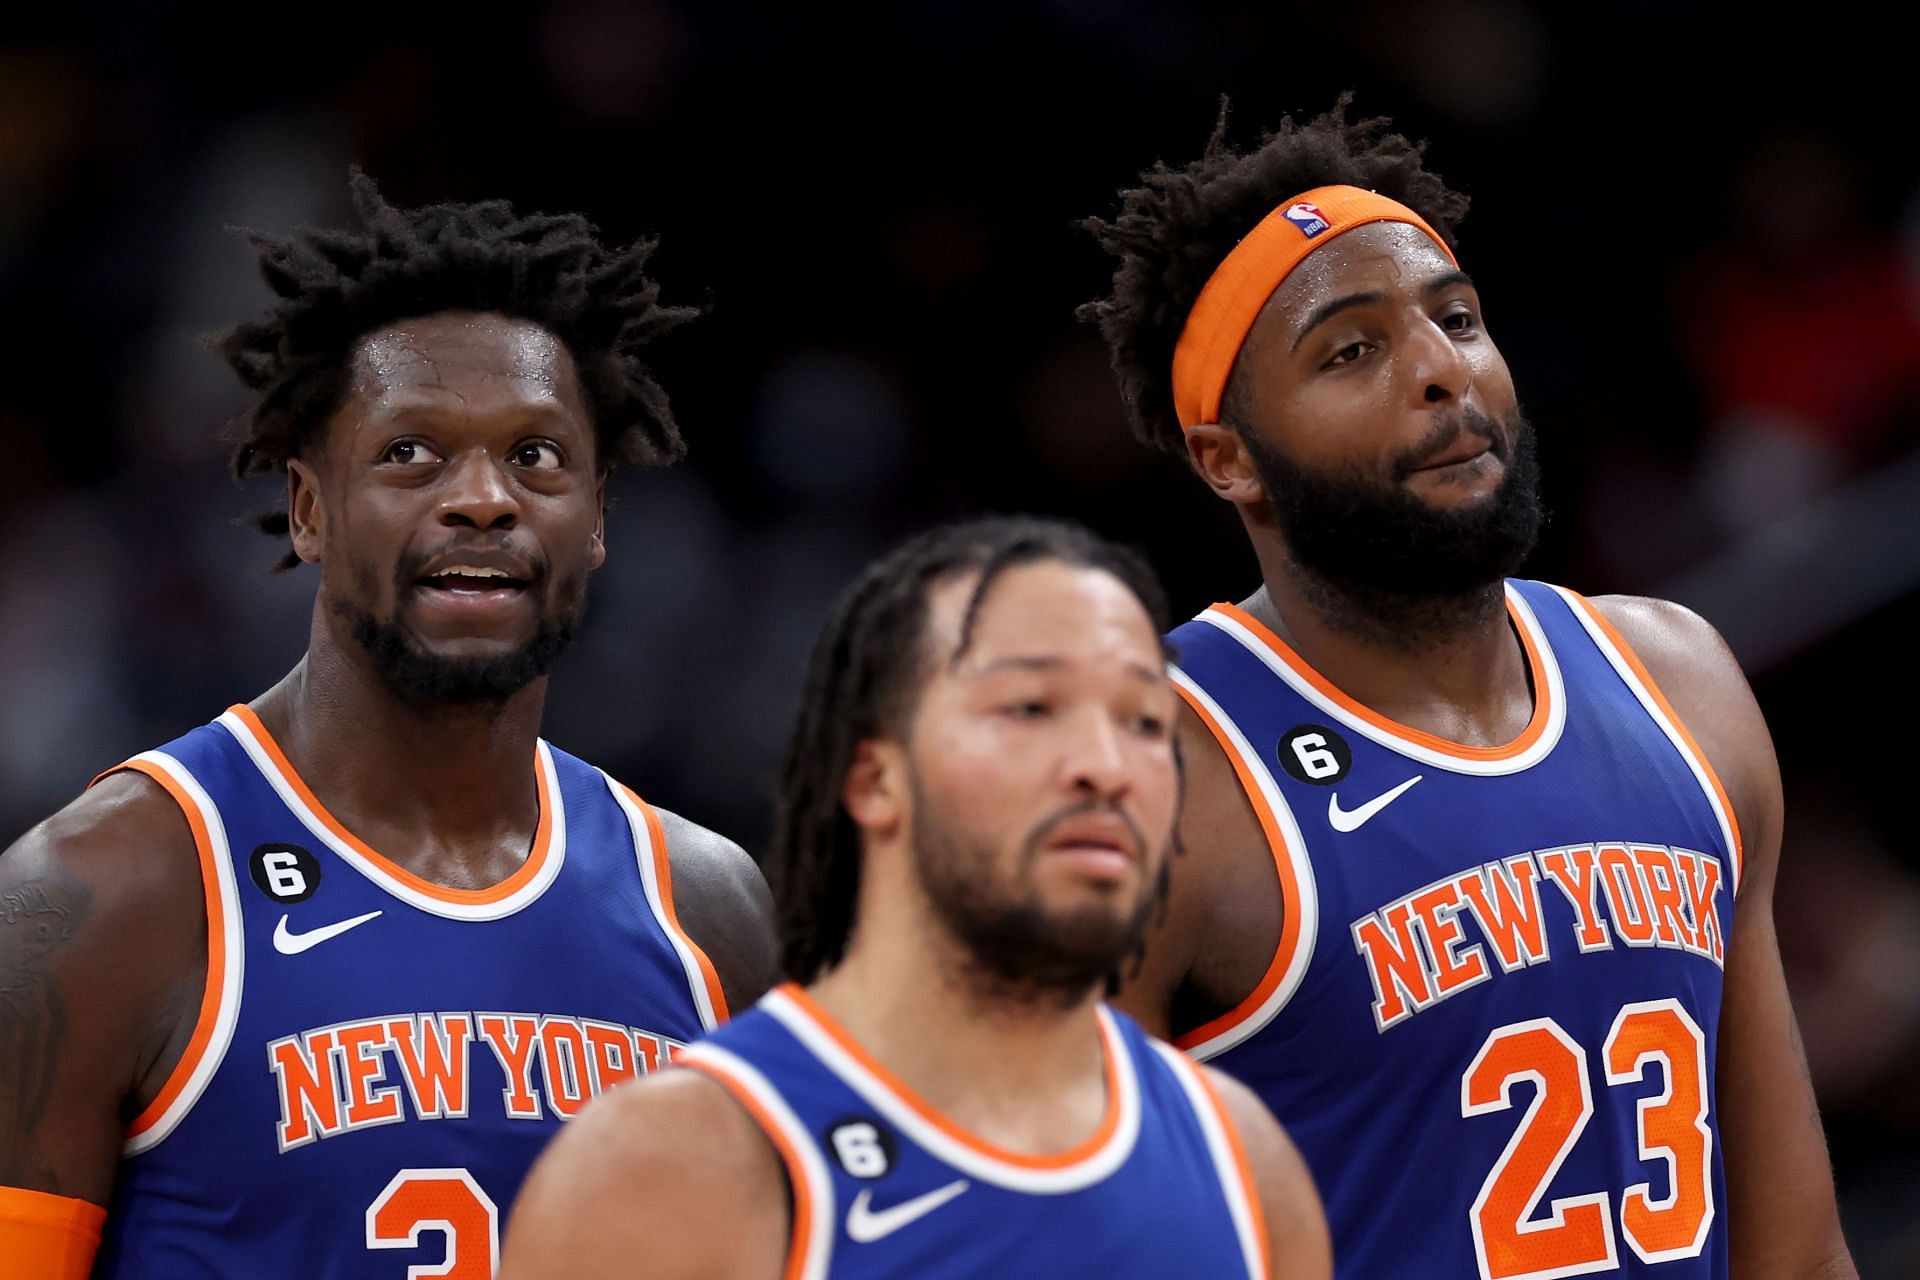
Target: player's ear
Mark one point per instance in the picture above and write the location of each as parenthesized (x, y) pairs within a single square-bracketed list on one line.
[(875, 790), (1221, 458), (306, 514)]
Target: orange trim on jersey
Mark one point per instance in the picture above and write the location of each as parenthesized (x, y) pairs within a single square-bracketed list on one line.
[(47, 1237), (1243, 1167), (524, 875), (216, 948), (1290, 911), (1542, 693), (802, 1235), (663, 872), (1680, 726), (1109, 1124)]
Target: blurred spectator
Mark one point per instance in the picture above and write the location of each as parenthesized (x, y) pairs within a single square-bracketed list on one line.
[(1804, 327)]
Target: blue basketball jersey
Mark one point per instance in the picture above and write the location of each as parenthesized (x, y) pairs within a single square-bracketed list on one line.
[(379, 1059), (1491, 1022), (884, 1186)]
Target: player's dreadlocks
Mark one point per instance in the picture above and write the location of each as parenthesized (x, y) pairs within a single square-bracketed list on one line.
[(863, 682), (1177, 226), (334, 287)]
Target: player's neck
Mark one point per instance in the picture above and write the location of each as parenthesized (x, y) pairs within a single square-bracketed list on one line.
[(447, 791), (1027, 1075), (1453, 667)]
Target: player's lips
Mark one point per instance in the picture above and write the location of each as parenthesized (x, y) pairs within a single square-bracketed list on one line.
[(473, 582), (1468, 448), (1103, 844), (491, 564)]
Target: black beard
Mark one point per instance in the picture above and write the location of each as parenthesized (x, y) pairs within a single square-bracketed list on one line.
[(1015, 950), (426, 677), (1377, 560)]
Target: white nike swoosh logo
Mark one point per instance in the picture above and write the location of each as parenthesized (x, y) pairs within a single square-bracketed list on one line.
[(1353, 819), (865, 1227), (288, 943)]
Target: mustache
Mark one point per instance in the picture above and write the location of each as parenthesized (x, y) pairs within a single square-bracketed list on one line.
[(1446, 432)]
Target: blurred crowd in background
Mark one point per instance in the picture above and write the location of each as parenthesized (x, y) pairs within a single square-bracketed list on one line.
[(1697, 236)]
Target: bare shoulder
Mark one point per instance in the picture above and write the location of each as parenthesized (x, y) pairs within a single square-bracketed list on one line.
[(102, 959), (119, 858), (1298, 1242), (1676, 644), (669, 1168), (724, 905), (1684, 654), (1699, 675)]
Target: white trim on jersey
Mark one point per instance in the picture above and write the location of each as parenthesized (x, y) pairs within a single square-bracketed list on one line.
[(1295, 852), (521, 898), (1651, 705), (966, 1158), (823, 1219), (1556, 695), (1225, 1166), (232, 971), (650, 878)]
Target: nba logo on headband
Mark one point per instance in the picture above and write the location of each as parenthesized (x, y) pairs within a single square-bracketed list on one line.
[(1308, 218), (1239, 287)]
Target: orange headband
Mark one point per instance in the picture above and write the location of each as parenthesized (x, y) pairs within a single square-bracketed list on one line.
[(1241, 285)]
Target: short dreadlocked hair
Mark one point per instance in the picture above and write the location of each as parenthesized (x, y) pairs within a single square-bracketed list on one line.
[(1178, 225), (863, 682), (335, 287)]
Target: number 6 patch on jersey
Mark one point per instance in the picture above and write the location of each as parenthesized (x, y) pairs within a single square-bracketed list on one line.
[(863, 1147)]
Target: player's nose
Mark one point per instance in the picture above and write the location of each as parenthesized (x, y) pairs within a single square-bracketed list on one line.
[(476, 494), (1096, 760), (1438, 371)]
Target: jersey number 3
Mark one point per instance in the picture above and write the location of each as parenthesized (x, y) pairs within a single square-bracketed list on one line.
[(1575, 1236), (445, 1200)]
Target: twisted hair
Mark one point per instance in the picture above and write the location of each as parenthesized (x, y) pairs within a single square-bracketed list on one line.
[(1178, 225), (334, 287), (863, 682)]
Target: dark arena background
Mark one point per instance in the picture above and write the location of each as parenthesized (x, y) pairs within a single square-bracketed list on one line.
[(1696, 231)]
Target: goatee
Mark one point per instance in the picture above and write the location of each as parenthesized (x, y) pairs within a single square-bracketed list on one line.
[(427, 677)]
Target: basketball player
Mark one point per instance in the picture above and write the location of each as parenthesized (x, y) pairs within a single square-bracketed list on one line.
[(1478, 895), (303, 992), (973, 831)]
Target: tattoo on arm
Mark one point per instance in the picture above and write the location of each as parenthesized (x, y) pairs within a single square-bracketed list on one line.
[(37, 918)]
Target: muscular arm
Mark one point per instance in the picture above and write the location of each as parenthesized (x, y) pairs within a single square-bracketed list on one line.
[(102, 960), (1781, 1216), (1297, 1239), (723, 904), (667, 1169)]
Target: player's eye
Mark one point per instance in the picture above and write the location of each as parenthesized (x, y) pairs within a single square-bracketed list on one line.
[(1460, 322), (1025, 709), (1347, 354), (409, 453), (539, 455)]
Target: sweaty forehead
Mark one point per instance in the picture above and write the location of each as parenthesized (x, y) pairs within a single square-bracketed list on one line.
[(1387, 257), (478, 363)]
